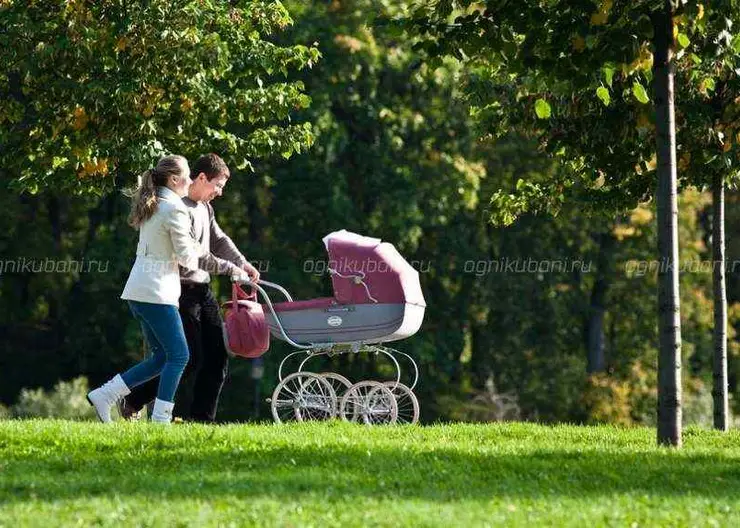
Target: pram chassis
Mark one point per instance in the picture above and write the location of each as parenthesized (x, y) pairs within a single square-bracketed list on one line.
[(366, 401)]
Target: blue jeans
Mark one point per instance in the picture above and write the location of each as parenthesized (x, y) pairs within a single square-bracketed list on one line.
[(165, 337)]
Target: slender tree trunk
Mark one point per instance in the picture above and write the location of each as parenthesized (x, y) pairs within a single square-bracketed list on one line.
[(595, 340), (669, 324), (721, 406)]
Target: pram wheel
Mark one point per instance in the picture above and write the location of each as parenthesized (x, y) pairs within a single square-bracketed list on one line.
[(303, 396), (339, 383), (370, 402), (408, 404)]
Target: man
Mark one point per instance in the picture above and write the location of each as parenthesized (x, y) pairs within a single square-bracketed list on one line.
[(199, 309)]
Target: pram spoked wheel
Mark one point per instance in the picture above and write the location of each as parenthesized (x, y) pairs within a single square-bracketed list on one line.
[(339, 383), (408, 404), (303, 396), (369, 402)]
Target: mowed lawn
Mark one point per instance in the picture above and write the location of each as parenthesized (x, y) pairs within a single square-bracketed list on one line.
[(55, 473)]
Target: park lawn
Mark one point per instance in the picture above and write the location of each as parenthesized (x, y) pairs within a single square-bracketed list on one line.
[(56, 473)]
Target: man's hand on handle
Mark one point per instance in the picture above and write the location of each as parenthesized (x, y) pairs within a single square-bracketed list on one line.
[(252, 272)]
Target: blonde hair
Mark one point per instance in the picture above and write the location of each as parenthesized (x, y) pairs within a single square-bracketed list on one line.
[(144, 201)]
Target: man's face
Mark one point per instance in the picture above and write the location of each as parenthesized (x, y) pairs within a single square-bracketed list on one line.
[(205, 190), (217, 187)]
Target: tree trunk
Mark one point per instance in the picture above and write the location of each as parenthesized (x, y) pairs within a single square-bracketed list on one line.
[(595, 341), (719, 392), (669, 323)]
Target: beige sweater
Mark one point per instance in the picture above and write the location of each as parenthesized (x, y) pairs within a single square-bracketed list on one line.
[(221, 254)]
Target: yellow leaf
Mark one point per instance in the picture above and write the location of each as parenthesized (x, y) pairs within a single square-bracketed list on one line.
[(80, 118), (641, 216), (703, 87), (599, 182), (349, 42), (121, 44), (579, 43), (622, 231), (102, 166), (599, 19), (651, 163), (700, 12), (186, 104)]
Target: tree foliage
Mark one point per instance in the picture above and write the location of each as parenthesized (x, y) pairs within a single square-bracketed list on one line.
[(89, 89), (578, 78)]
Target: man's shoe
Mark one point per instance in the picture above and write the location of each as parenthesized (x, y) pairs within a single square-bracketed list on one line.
[(127, 412)]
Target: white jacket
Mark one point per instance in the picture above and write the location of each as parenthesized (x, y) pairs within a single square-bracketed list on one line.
[(165, 240)]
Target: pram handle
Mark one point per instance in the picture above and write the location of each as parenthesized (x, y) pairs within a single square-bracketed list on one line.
[(249, 282)]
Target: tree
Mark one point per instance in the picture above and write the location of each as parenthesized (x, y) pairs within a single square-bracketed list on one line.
[(721, 402), (95, 90), (669, 360), (707, 132), (550, 65)]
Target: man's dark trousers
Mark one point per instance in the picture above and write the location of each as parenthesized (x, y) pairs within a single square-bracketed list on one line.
[(201, 318)]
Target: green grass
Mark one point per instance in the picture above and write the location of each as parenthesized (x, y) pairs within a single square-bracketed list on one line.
[(63, 473)]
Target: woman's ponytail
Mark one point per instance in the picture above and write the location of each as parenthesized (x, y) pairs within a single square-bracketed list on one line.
[(144, 201)]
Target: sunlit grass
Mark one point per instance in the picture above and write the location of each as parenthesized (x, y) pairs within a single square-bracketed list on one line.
[(55, 472)]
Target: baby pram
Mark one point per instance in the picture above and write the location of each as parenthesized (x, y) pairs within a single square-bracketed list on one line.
[(377, 299)]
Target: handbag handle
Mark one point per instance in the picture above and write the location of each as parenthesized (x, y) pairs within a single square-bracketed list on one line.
[(238, 294)]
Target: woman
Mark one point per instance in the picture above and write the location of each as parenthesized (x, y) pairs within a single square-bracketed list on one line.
[(153, 286)]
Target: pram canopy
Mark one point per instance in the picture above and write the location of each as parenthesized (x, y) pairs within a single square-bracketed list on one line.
[(365, 270), (377, 296)]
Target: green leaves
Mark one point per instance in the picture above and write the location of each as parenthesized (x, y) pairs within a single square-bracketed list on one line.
[(603, 94), (198, 78), (638, 90), (736, 43), (608, 74), (542, 109)]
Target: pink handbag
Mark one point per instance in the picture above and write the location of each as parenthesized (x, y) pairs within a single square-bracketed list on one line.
[(246, 333)]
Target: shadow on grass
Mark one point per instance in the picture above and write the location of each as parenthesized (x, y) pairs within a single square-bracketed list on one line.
[(340, 473)]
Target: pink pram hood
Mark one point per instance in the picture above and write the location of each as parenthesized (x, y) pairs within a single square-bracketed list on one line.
[(365, 270)]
